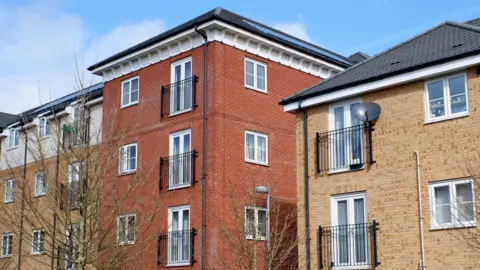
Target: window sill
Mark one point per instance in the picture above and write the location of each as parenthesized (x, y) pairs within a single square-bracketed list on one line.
[(257, 163), (127, 173), (257, 89), (179, 187), (12, 148), (362, 267), (6, 256), (331, 172), (40, 195), (36, 253), (172, 114), (261, 239), (8, 202), (128, 105), (127, 243), (445, 118), (453, 227), (178, 264), (45, 137)]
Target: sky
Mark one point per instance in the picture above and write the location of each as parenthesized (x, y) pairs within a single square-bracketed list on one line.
[(44, 42)]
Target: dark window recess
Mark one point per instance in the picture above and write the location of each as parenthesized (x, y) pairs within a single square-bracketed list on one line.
[(70, 196), (344, 149), (348, 245), (176, 248), (75, 134), (178, 170), (178, 97)]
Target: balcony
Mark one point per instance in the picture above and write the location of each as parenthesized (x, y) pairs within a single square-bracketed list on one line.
[(75, 134), (70, 196), (344, 149), (177, 171), (179, 97), (176, 248), (352, 246)]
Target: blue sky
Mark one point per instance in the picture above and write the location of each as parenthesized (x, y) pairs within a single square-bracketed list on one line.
[(41, 37)]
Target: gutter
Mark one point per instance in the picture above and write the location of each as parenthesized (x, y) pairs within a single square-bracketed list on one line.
[(307, 206), (204, 152)]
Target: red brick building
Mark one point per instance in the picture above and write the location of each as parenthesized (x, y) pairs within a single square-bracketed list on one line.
[(199, 159)]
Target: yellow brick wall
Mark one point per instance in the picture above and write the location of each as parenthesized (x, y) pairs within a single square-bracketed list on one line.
[(446, 150)]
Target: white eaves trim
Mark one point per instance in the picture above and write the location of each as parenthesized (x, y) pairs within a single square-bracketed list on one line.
[(94, 102), (388, 82)]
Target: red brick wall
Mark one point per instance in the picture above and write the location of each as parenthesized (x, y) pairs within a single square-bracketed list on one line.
[(232, 109)]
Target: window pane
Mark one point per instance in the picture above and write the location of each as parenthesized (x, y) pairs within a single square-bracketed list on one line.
[(359, 209), (186, 220), (188, 70), (123, 160), (175, 221), (436, 99), (132, 157), (261, 77), (342, 213), (47, 127), (125, 93), (262, 149), (465, 203), (442, 205), (262, 223), (249, 74), (250, 222), (131, 228), (458, 96), (342, 232), (261, 83), (186, 143), (250, 141)]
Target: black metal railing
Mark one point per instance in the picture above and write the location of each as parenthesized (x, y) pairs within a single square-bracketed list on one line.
[(179, 96), (176, 248), (75, 134), (344, 149), (178, 170), (348, 245), (70, 195)]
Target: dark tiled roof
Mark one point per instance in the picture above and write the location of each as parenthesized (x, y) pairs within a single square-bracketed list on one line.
[(92, 92), (6, 119), (358, 57), (474, 22), (243, 23), (440, 44)]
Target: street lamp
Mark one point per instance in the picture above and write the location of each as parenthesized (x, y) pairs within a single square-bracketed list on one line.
[(264, 190)]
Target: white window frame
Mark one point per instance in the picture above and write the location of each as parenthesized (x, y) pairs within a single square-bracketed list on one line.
[(6, 236), (43, 123), (182, 63), (127, 242), (74, 242), (129, 103), (179, 209), (350, 198), (256, 209), (255, 151), (37, 240), (255, 83), (447, 97), (172, 137), (15, 134), (453, 204), (40, 176), (127, 170), (9, 185), (346, 104)]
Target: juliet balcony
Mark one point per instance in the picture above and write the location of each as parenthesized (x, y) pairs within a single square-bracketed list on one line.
[(177, 171), (178, 97), (176, 248), (75, 134)]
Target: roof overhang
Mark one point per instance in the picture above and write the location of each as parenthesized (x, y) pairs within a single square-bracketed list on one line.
[(216, 30), (419, 74)]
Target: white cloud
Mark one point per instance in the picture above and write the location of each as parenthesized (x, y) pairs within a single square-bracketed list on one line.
[(296, 29), (38, 46)]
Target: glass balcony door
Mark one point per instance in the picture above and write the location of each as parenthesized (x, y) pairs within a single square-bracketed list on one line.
[(179, 235), (180, 159), (181, 88)]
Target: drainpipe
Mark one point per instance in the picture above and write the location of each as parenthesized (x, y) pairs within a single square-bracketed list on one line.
[(204, 152), (420, 219), (23, 201), (57, 166), (305, 151)]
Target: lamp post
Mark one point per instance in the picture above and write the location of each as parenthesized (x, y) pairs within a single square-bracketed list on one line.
[(264, 190)]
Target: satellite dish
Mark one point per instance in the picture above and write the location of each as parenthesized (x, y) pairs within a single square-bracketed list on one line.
[(366, 111)]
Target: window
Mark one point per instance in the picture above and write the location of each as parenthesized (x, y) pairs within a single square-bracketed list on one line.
[(255, 222), (446, 97), (181, 88), (7, 244), (128, 158), (180, 161), (453, 204), (345, 142), (256, 147), (255, 75), (71, 246), (179, 235), (130, 88), (13, 137), (126, 229), (74, 184), (44, 127), (40, 184), (350, 233), (10, 189), (38, 241)]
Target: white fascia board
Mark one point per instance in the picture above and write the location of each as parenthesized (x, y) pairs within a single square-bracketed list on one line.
[(94, 101), (388, 82)]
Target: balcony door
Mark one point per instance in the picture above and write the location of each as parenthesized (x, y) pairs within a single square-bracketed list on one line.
[(181, 88), (179, 235), (180, 159), (346, 137), (350, 230)]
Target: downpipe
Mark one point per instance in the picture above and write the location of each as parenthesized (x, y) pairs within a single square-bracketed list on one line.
[(307, 206), (420, 219)]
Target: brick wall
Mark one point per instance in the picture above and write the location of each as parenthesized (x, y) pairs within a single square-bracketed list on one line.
[(446, 151)]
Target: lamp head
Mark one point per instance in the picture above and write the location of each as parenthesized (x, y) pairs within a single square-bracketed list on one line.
[(261, 189)]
